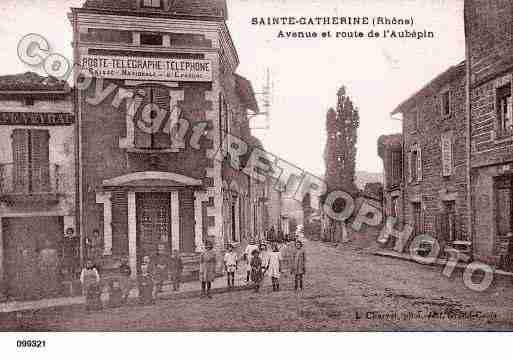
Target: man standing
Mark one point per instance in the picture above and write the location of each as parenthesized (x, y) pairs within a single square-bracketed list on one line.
[(70, 255)]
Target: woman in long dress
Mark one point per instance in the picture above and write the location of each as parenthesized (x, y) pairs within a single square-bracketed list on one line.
[(274, 270)]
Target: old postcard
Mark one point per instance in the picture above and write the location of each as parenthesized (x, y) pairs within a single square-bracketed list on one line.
[(255, 166)]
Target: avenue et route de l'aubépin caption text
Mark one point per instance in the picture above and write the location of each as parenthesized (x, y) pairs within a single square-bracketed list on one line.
[(320, 27)]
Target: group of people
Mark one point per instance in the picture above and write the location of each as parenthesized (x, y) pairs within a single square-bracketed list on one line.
[(258, 262), (261, 262), (256, 259), (154, 271)]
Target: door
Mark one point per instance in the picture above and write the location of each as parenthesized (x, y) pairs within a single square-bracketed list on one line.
[(417, 218), (153, 222), (504, 216), (22, 244)]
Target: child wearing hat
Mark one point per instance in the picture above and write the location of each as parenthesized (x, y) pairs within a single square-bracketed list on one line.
[(230, 265)]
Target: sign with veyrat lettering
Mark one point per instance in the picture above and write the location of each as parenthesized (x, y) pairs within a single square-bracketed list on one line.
[(147, 68)]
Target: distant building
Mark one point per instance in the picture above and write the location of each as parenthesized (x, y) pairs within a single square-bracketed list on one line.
[(37, 180), (489, 34), (390, 149)]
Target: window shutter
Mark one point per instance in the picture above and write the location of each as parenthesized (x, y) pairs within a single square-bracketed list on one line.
[(162, 98), (40, 160), (142, 137), (509, 123), (20, 151), (220, 117), (410, 166)]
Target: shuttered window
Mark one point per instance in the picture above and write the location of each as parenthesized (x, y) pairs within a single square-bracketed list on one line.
[(40, 160), (31, 160), (20, 151), (149, 130)]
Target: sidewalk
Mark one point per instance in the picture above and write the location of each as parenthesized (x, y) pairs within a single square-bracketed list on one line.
[(439, 262), (188, 288)]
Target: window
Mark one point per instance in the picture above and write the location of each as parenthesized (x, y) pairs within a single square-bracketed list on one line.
[(29, 101), (415, 164), (446, 104), (504, 111), (151, 39), (504, 203), (394, 207), (414, 169), (149, 132), (397, 166), (152, 3), (31, 167), (446, 144), (415, 119)]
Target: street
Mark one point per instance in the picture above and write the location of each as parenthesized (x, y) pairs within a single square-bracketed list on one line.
[(347, 289)]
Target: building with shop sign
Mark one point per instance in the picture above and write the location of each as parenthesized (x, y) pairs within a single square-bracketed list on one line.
[(149, 173), (37, 183)]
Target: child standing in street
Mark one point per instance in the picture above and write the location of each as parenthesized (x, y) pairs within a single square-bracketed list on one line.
[(264, 256), (274, 270), (298, 268), (146, 283), (90, 280), (230, 265), (247, 257), (175, 270), (160, 268), (256, 270), (124, 279), (115, 294)]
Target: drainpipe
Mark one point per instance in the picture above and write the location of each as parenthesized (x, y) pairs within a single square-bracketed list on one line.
[(78, 148), (468, 114)]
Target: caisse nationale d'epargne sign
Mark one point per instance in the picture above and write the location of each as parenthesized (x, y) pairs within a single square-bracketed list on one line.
[(146, 68)]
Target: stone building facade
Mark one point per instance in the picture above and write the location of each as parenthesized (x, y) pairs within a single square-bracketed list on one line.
[(37, 181), (151, 171), (432, 195), (390, 149), (489, 45)]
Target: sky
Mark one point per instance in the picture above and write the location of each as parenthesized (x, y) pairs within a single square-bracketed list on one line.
[(306, 73)]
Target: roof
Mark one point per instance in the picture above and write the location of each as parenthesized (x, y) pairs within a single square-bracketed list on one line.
[(389, 141), (373, 190), (32, 82), (195, 8), (434, 86), (246, 93)]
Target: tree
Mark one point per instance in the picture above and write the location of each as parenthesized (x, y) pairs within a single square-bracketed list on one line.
[(340, 155), (340, 150)]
